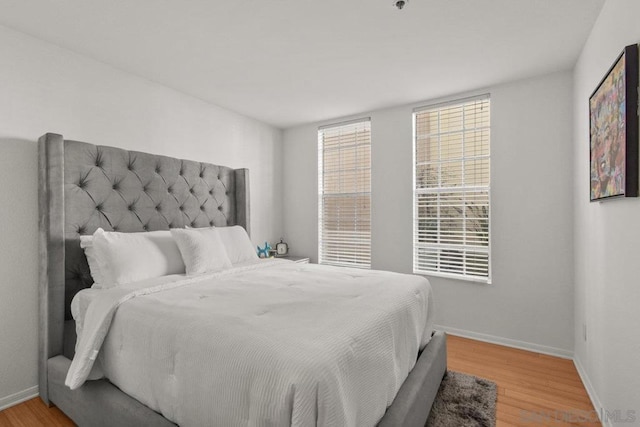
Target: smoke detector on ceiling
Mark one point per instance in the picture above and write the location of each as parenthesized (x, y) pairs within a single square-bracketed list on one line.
[(400, 3)]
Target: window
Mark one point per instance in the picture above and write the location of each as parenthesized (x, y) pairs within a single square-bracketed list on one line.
[(344, 194), (452, 190)]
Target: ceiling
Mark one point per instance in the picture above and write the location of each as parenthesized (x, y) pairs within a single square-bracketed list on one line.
[(288, 62)]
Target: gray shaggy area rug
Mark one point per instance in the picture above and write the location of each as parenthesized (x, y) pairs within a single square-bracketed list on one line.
[(464, 401)]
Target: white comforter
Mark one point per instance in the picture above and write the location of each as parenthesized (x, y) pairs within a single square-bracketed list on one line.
[(273, 344)]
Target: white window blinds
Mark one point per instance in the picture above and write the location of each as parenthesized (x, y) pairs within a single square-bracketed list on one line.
[(452, 189), (344, 194)]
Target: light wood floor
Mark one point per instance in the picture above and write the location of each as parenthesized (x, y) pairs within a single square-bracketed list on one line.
[(533, 389)]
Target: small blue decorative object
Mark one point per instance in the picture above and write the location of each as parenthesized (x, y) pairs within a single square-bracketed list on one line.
[(264, 252)]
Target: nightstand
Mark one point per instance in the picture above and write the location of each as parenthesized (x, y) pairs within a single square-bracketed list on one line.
[(297, 259)]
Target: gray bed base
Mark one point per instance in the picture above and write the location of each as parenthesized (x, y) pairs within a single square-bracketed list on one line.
[(168, 193)]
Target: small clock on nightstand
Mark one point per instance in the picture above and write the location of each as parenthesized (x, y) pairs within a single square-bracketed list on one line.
[(282, 248)]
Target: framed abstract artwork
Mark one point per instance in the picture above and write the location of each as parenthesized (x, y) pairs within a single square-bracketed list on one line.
[(613, 122)]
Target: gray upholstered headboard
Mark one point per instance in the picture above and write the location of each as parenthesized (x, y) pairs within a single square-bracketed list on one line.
[(83, 187)]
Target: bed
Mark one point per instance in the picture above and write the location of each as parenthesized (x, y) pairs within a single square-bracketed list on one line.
[(77, 187)]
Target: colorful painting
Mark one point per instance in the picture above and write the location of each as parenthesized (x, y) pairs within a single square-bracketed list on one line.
[(614, 134)]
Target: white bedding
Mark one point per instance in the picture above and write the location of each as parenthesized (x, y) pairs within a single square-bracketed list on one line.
[(269, 344)]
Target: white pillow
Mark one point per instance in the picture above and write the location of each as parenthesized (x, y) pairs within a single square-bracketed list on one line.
[(123, 258), (202, 250), (238, 245)]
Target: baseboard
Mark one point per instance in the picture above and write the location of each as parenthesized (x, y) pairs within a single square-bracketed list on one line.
[(19, 397), (595, 401), (507, 342)]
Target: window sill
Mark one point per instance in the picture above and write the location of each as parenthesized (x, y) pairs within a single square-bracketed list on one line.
[(483, 280)]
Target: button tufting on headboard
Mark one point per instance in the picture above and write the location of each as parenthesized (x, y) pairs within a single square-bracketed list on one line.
[(130, 191)]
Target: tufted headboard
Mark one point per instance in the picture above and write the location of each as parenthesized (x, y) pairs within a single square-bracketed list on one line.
[(83, 187)]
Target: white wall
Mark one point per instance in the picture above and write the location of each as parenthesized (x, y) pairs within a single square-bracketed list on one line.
[(47, 89), (530, 302), (607, 238)]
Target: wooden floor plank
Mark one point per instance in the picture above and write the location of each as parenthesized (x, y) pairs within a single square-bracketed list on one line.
[(519, 375), (4, 420), (533, 389), (34, 413), (493, 350), (536, 365)]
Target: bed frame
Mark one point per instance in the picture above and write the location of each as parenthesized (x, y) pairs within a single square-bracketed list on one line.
[(83, 187)]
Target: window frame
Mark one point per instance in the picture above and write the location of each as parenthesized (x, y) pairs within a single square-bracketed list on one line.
[(415, 193), (322, 194)]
